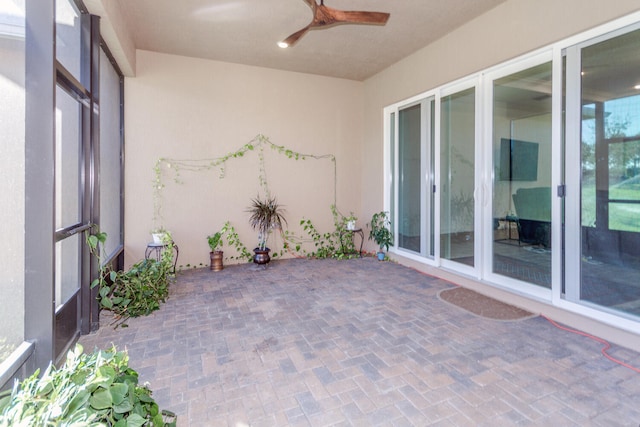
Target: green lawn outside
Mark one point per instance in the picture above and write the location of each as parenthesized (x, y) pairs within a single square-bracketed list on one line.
[(622, 216)]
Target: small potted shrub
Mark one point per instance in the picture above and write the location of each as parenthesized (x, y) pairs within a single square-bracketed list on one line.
[(381, 232), (266, 215), (350, 221), (159, 235), (216, 254)]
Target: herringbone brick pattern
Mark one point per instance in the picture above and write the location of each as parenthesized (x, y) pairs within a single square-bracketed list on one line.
[(361, 343)]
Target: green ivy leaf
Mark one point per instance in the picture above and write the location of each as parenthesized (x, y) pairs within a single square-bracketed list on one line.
[(106, 303), (92, 241), (101, 399), (123, 407), (135, 420), (78, 401), (107, 373), (79, 377), (118, 393)]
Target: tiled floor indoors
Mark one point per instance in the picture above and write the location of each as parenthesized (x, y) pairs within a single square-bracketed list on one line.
[(362, 343)]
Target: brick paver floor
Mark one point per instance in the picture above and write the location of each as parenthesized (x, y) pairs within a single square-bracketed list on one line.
[(361, 343)]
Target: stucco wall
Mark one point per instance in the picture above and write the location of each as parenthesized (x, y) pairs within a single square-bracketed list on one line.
[(185, 108)]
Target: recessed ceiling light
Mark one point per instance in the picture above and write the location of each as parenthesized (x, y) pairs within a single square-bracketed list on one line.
[(637, 87)]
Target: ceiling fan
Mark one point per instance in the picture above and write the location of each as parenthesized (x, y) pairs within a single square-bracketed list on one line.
[(324, 16)]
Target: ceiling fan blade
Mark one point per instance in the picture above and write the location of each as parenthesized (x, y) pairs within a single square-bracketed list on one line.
[(293, 38), (358, 17), (324, 16)]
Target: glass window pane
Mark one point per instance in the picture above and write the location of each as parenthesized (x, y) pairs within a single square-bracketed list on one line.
[(12, 129), (457, 179), (522, 179), (624, 168), (68, 36), (67, 268), (611, 126), (68, 156), (624, 217), (110, 146), (409, 168)]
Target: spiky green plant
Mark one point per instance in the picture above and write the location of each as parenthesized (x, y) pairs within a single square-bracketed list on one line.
[(266, 215)]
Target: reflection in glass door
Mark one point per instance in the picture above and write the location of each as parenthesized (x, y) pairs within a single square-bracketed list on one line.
[(609, 172), (457, 177), (521, 213), (415, 183)]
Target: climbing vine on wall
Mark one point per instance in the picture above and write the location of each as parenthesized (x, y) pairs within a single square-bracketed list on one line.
[(174, 167)]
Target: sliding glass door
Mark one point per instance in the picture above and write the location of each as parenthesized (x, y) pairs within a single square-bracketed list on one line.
[(415, 220), (457, 177), (537, 175), (521, 202), (603, 157)]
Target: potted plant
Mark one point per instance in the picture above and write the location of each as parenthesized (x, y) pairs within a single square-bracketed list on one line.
[(350, 221), (215, 242), (266, 215), (159, 235), (381, 232)]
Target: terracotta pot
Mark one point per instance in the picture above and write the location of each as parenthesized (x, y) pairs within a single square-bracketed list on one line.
[(261, 256), (216, 260)]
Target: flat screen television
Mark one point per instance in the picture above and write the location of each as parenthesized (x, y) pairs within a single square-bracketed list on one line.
[(518, 160)]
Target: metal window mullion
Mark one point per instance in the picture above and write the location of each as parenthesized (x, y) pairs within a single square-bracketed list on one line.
[(573, 120), (425, 116), (69, 83), (90, 307)]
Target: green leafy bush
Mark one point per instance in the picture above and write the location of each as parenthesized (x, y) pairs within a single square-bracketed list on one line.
[(336, 244), (381, 230), (134, 292), (97, 389)]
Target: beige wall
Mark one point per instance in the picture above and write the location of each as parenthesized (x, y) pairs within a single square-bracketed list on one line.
[(185, 108)]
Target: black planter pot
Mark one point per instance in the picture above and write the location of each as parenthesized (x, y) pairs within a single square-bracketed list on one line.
[(261, 256)]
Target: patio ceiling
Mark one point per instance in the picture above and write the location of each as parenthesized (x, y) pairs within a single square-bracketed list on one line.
[(246, 32)]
